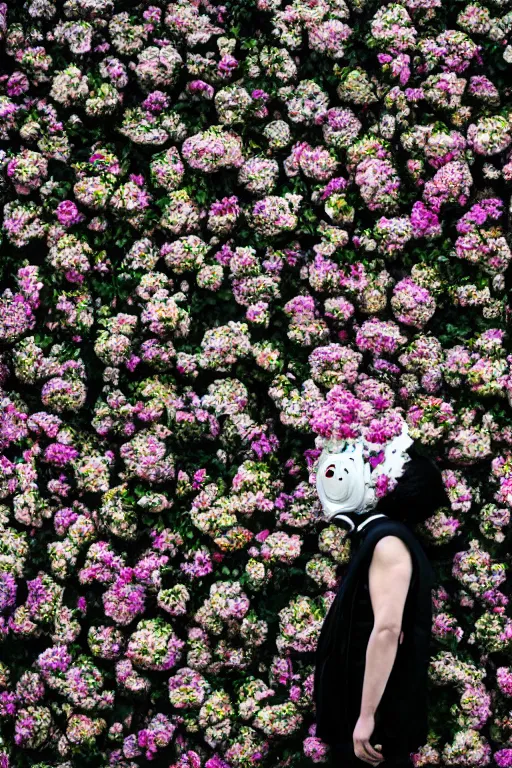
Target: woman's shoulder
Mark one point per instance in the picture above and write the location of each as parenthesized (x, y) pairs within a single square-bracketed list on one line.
[(390, 545), (387, 527)]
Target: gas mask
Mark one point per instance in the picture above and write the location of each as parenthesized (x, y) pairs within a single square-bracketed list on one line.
[(345, 480)]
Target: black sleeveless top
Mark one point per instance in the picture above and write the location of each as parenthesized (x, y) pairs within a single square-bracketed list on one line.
[(401, 724)]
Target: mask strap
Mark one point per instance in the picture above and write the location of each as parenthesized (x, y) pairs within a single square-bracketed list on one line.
[(346, 519)]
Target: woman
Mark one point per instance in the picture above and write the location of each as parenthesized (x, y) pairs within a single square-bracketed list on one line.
[(374, 648)]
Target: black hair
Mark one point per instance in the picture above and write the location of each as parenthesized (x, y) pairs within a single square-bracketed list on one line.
[(418, 493)]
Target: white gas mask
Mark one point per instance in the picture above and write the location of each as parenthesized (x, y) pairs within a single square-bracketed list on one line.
[(345, 481)]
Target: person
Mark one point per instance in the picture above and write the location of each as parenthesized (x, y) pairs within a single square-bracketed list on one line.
[(373, 652)]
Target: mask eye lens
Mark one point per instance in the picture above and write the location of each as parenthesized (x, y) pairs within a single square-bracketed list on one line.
[(329, 472)]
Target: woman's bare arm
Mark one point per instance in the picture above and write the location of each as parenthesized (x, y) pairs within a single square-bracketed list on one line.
[(388, 579)]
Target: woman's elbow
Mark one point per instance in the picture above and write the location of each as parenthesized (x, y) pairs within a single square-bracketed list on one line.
[(388, 631)]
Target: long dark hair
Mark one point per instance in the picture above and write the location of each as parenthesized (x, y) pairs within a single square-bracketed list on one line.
[(419, 492)]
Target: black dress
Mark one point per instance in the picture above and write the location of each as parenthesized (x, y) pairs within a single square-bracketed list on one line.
[(401, 719)]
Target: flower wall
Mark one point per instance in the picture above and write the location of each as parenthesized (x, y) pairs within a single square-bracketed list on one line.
[(228, 233)]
